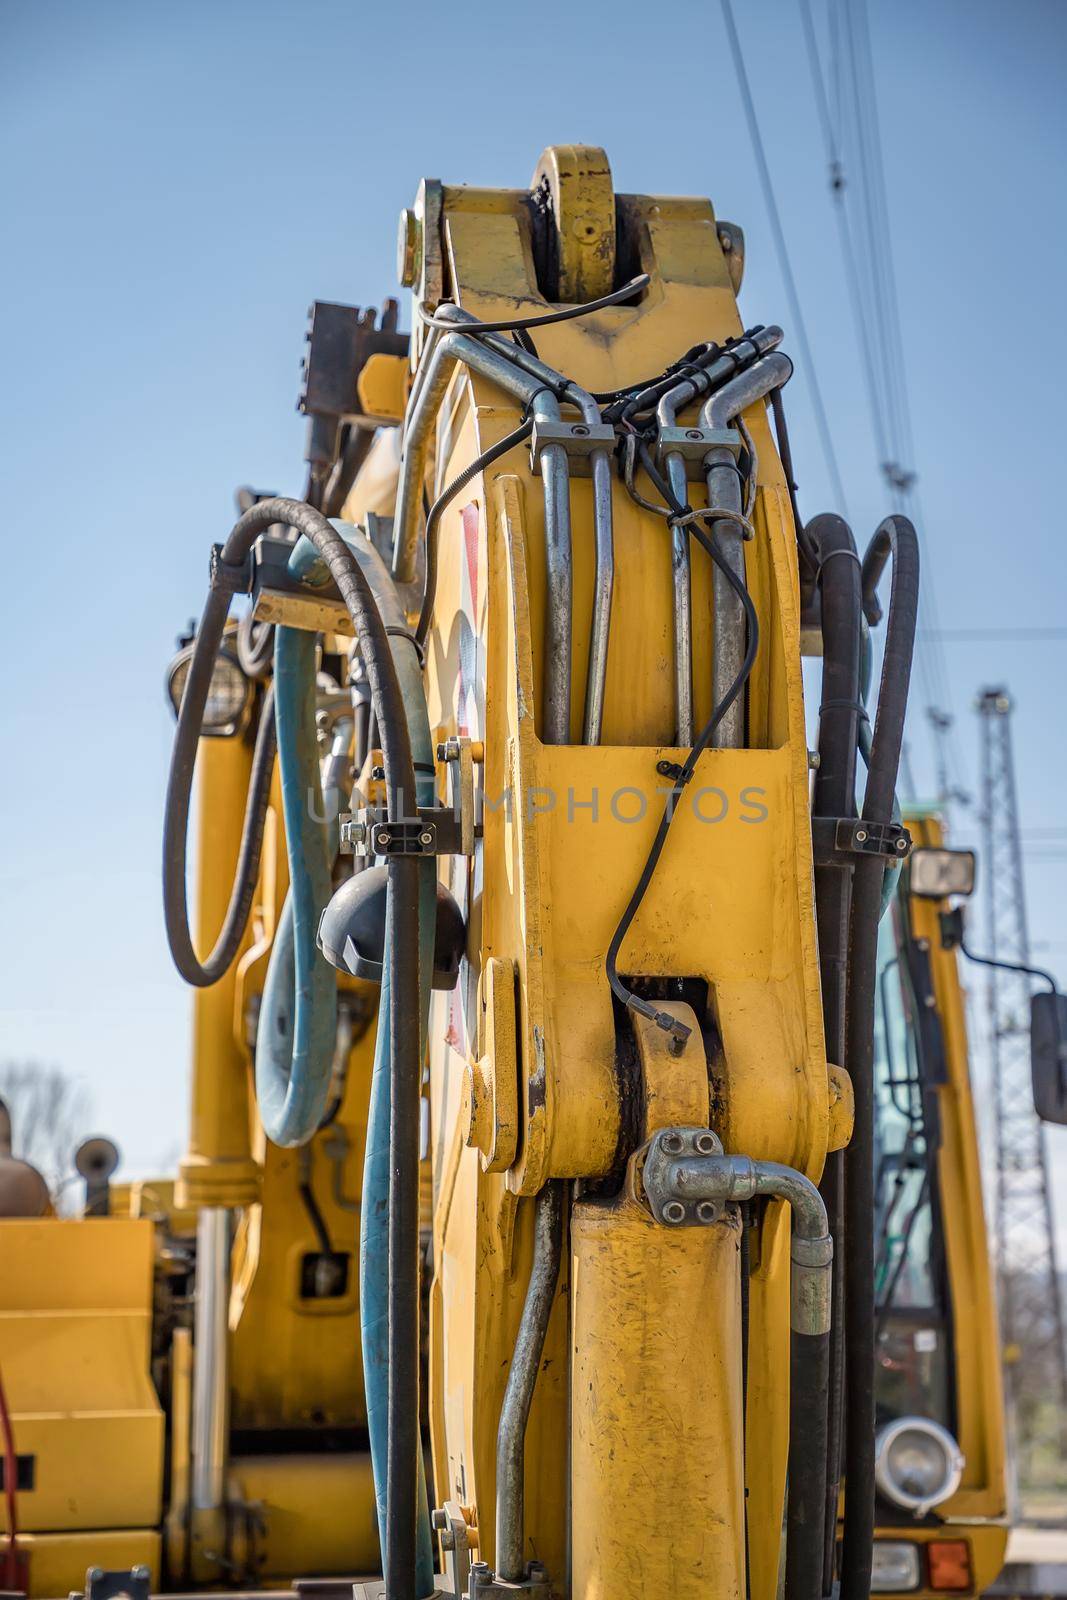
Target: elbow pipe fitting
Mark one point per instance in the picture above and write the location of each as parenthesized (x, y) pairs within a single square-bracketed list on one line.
[(771, 371), (685, 1186), (698, 384)]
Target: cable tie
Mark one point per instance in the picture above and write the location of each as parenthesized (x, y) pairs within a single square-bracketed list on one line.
[(829, 556), (845, 705), (405, 633), (684, 519), (558, 389)]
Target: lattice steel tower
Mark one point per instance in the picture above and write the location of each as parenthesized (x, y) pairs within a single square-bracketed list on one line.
[(1031, 1313)]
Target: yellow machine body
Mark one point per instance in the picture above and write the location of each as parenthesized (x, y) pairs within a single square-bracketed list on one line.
[(644, 1453)]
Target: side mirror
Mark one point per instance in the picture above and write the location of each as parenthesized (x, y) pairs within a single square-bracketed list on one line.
[(1048, 1055)]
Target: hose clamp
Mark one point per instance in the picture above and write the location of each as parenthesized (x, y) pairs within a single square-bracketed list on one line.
[(838, 841), (578, 439), (232, 578)]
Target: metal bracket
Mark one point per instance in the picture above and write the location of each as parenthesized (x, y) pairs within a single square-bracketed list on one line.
[(457, 752), (579, 439), (485, 1585), (433, 831), (836, 840), (129, 1584), (694, 444), (666, 1149), (451, 1526)]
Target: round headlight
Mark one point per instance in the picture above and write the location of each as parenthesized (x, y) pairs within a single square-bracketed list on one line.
[(228, 697), (917, 1464)]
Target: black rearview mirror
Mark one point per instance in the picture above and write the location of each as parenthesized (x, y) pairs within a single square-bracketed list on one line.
[(1048, 1055)]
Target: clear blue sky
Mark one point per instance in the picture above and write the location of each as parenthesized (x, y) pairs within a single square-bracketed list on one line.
[(181, 180)]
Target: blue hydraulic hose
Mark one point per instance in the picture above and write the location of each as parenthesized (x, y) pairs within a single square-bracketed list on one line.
[(298, 1019), (374, 1209), (374, 1216)]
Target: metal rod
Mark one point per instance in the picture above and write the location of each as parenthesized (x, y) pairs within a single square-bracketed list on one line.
[(210, 1359), (522, 1377), (603, 587), (724, 494)]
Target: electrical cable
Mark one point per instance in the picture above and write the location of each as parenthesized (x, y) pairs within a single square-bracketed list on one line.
[(477, 330), (867, 249), (433, 517), (681, 775)]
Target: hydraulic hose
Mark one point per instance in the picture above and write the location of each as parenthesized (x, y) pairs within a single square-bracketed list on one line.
[(838, 582), (896, 538), (298, 1020), (374, 1259), (402, 960), (176, 817)]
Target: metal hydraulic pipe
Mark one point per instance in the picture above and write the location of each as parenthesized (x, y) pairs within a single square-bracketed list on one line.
[(603, 532), (210, 1359), (725, 495), (522, 1377), (682, 394), (555, 471)]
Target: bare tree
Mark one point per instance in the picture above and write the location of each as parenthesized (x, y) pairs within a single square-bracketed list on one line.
[(49, 1111)]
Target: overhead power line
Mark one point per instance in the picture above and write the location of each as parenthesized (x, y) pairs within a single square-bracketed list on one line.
[(848, 117), (807, 359)]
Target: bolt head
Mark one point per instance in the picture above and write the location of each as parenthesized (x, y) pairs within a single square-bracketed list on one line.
[(580, 430), (861, 835), (384, 839), (674, 1211), (672, 1143), (693, 433), (707, 1211), (426, 838), (705, 1143)]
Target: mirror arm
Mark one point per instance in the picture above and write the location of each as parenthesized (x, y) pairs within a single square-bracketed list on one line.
[(952, 939)]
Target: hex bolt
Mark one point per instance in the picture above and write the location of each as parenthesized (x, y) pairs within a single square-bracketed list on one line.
[(674, 1211), (707, 1211), (902, 844), (672, 1143), (705, 1143)]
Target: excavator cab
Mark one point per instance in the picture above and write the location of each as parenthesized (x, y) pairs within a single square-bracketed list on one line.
[(940, 1470)]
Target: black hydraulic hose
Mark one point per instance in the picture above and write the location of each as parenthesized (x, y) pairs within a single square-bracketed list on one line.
[(402, 955), (838, 580), (809, 1377), (176, 826), (896, 538)]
